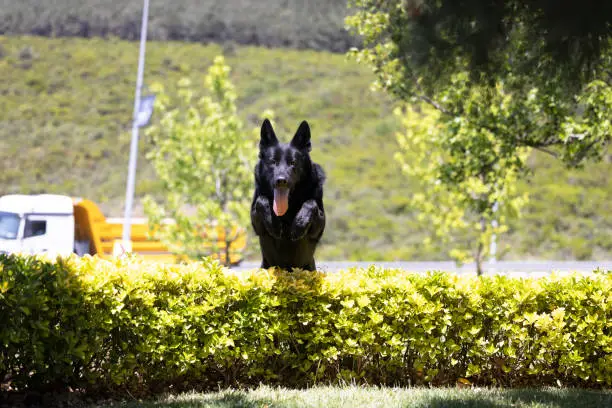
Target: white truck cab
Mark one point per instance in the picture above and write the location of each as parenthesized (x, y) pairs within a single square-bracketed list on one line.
[(34, 224), (60, 225)]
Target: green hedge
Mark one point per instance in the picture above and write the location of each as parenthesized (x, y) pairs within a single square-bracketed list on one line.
[(104, 325)]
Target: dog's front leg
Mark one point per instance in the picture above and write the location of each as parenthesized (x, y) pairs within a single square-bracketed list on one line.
[(262, 219), (309, 221)]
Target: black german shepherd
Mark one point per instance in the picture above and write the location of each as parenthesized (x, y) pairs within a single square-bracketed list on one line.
[(287, 210)]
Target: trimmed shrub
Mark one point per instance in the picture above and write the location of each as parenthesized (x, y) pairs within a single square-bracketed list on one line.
[(103, 325)]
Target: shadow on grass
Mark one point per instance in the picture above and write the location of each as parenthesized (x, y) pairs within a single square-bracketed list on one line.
[(540, 398), (234, 399), (565, 397), (416, 398)]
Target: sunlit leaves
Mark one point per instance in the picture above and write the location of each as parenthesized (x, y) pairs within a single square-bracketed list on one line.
[(539, 108), (468, 142), (467, 181), (95, 323), (204, 157)]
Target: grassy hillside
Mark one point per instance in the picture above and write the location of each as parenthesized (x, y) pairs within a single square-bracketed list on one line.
[(312, 24), (64, 127)]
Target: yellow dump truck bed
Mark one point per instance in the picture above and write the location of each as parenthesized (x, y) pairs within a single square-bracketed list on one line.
[(91, 225)]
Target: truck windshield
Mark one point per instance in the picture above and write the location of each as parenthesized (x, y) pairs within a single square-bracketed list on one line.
[(9, 225)]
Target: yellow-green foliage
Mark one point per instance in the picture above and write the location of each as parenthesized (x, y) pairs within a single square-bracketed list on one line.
[(458, 192), (203, 158), (98, 324)]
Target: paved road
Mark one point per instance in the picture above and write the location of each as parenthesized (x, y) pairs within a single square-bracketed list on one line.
[(514, 268)]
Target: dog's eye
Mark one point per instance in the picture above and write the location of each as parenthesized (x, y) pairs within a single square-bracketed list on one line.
[(290, 162)]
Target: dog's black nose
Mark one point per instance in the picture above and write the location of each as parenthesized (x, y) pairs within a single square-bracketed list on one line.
[(280, 182)]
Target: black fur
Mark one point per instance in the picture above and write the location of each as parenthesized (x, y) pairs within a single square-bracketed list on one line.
[(288, 241)]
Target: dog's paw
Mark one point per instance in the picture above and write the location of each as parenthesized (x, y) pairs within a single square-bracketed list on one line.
[(262, 207), (264, 213), (300, 226)]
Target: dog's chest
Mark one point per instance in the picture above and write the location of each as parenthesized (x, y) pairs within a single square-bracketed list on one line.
[(287, 253), (285, 222)]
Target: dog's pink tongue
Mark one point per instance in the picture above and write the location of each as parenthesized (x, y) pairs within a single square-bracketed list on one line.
[(281, 201)]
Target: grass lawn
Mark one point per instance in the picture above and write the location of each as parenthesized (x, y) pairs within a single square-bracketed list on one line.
[(354, 397)]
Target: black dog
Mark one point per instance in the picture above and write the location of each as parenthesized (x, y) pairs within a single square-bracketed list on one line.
[(287, 210)]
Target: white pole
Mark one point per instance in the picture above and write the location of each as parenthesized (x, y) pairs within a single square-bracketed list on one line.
[(129, 193), (493, 248)]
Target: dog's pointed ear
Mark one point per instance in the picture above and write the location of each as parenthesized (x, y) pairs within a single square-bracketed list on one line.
[(268, 137), (301, 140)]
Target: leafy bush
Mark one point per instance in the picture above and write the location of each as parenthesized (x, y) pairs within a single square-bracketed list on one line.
[(100, 325)]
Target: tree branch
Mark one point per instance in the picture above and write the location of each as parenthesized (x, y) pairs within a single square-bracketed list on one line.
[(447, 112), (436, 105), (217, 176), (582, 153), (547, 151), (224, 190)]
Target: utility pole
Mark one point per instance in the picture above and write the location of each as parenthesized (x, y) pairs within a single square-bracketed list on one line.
[(493, 247), (129, 193)]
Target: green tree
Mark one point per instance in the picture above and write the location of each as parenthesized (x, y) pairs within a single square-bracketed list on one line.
[(420, 49), (435, 38), (204, 158), (487, 116), (464, 198)]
